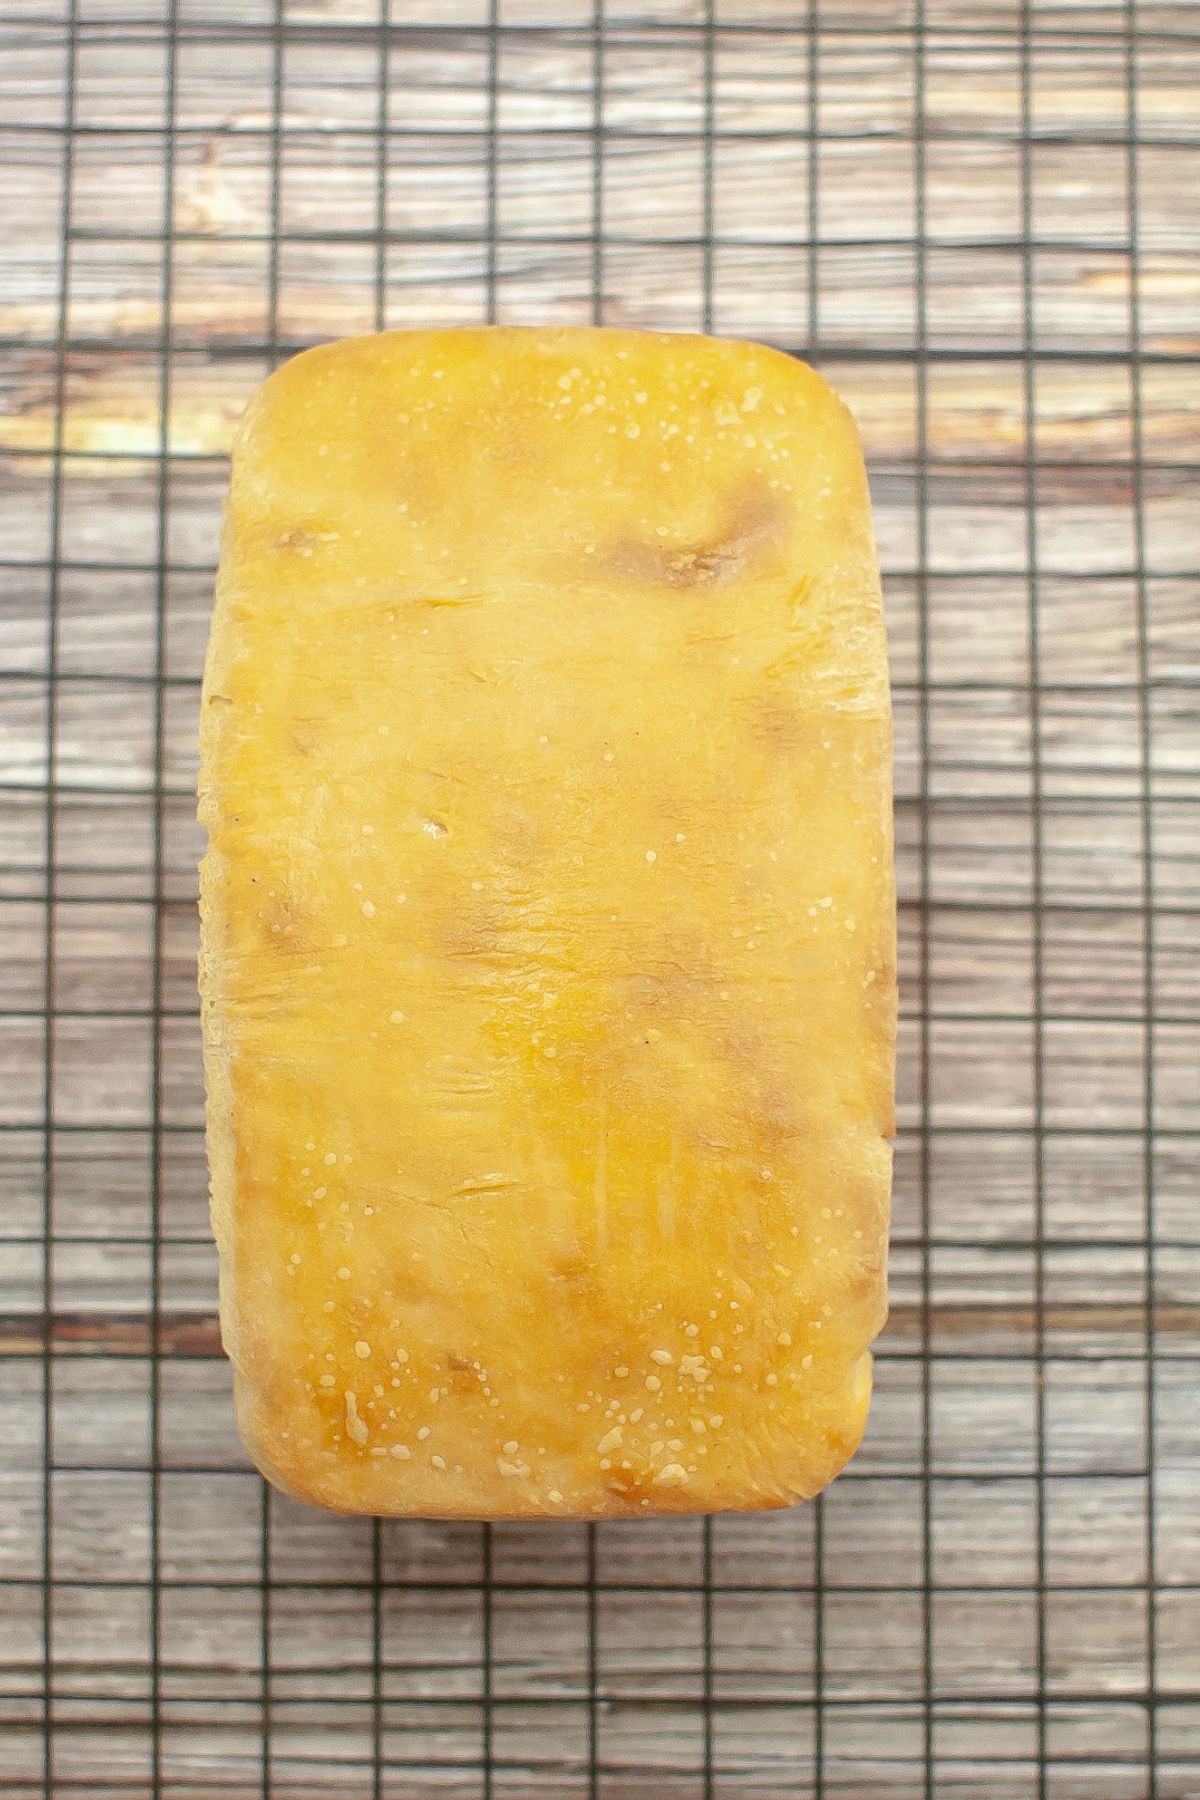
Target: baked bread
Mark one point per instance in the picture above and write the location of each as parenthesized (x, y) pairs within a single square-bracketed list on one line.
[(548, 926)]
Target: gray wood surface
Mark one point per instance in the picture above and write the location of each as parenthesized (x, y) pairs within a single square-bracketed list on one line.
[(1013, 1562)]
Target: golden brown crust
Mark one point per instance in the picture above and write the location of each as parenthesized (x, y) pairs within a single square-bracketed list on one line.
[(548, 951)]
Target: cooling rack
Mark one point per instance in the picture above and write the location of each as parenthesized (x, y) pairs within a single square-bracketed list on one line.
[(981, 218)]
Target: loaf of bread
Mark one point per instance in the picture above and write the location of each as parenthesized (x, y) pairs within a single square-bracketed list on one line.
[(548, 926)]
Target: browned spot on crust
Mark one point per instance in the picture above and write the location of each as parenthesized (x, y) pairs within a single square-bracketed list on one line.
[(635, 1486), (756, 513), (751, 528), (464, 1376), (299, 541), (282, 920), (772, 1104), (628, 1491), (573, 1270), (777, 724), (640, 562)]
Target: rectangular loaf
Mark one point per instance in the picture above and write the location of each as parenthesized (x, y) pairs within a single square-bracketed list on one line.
[(548, 920)]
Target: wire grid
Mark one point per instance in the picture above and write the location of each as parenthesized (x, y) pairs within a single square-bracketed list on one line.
[(982, 222)]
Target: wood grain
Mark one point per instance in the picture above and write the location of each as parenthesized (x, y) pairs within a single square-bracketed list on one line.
[(1049, 863)]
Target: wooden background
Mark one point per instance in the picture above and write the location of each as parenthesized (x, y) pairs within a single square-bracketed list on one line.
[(982, 219)]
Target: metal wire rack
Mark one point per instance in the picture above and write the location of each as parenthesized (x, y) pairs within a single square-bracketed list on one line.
[(982, 219)]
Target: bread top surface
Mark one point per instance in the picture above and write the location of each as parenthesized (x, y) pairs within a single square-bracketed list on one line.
[(548, 957)]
